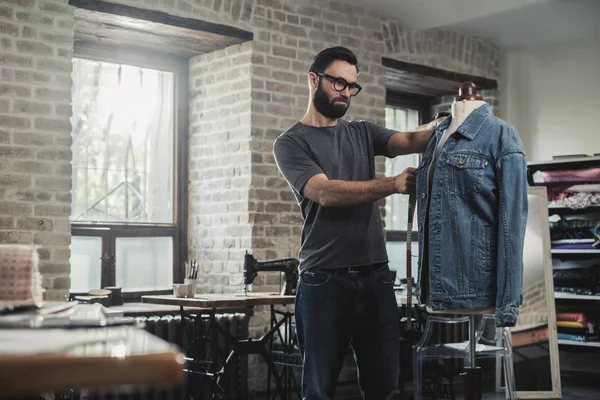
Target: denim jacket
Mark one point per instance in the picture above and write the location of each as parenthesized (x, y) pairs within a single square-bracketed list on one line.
[(477, 217)]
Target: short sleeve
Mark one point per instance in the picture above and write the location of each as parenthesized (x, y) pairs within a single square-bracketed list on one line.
[(295, 163), (381, 136)]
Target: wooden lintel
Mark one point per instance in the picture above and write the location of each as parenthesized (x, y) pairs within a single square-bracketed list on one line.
[(415, 78), (130, 17)]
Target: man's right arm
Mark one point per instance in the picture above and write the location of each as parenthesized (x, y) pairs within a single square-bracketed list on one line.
[(338, 193), (307, 178)]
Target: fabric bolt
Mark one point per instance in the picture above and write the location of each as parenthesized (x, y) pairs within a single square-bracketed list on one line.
[(575, 201), (20, 279)]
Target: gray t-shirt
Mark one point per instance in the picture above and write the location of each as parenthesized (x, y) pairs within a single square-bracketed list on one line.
[(334, 237)]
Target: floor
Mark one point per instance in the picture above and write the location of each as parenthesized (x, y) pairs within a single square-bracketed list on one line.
[(580, 391), (570, 391)]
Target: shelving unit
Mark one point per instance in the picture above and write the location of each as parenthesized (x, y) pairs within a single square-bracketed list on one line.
[(576, 252), (569, 296), (582, 344), (574, 259)]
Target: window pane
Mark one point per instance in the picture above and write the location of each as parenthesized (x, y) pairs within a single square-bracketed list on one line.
[(86, 263), (122, 143), (397, 258), (396, 206), (144, 263)]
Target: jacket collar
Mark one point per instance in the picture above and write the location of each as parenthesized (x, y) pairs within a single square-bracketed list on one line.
[(472, 124)]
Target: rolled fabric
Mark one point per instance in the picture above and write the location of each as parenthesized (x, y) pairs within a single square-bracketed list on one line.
[(20, 279)]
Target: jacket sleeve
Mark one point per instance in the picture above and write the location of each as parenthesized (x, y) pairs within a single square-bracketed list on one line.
[(511, 175)]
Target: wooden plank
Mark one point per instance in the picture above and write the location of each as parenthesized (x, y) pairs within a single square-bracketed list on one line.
[(414, 78), (120, 25), (134, 15)]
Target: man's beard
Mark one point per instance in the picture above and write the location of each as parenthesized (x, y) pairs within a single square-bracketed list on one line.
[(327, 107)]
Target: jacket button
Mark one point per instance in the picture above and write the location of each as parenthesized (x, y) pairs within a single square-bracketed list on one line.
[(461, 162), (423, 195), (420, 228)]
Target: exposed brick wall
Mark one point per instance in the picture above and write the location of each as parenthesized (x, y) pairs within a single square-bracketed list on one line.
[(238, 200), (220, 166), (36, 38), (442, 48), (534, 309)]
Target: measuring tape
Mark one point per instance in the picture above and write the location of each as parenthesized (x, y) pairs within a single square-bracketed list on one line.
[(412, 202)]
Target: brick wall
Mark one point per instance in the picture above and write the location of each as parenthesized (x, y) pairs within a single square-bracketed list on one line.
[(220, 166), (534, 309), (36, 39), (442, 48), (238, 200)]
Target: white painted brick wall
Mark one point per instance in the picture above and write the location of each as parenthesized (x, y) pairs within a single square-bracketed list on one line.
[(238, 200), (220, 165), (36, 39)]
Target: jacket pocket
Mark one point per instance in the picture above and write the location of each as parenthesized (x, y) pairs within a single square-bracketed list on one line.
[(465, 173)]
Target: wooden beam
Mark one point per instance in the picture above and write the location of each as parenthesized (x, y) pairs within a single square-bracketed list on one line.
[(414, 78), (158, 17)]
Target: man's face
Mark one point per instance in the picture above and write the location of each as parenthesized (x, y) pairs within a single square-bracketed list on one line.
[(329, 102)]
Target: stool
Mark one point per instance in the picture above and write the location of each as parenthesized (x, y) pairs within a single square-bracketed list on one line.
[(489, 340)]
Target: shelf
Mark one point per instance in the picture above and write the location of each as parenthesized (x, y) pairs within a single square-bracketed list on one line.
[(571, 296), (575, 251), (575, 343), (595, 207), (573, 160)]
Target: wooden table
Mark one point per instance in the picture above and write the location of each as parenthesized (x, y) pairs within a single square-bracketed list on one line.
[(34, 361), (215, 302), (222, 300)]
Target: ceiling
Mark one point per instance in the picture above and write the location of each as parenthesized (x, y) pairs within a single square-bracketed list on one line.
[(510, 24)]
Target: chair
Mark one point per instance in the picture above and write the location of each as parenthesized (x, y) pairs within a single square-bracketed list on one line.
[(490, 342)]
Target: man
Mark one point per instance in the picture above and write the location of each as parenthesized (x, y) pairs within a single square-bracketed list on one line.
[(345, 294)]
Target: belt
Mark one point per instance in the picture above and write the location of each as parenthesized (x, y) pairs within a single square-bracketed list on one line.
[(364, 270)]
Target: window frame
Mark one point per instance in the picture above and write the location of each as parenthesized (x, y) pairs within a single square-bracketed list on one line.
[(178, 230), (422, 104)]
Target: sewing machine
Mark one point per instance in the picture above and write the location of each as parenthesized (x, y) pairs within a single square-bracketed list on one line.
[(289, 266)]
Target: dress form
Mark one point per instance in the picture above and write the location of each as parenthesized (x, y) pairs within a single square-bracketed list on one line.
[(467, 101)]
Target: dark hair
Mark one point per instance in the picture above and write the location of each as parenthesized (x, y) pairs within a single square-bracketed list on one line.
[(324, 59)]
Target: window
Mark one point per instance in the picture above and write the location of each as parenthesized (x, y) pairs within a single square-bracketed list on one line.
[(402, 113), (399, 119), (129, 185)]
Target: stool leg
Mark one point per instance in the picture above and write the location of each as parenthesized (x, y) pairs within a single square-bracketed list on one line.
[(417, 373), (509, 371), (473, 388)]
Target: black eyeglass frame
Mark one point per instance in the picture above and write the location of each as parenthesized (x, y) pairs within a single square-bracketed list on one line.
[(336, 81)]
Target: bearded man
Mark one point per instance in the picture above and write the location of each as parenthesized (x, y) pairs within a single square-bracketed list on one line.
[(345, 297)]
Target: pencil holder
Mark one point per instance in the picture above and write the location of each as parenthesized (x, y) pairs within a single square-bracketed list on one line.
[(192, 286)]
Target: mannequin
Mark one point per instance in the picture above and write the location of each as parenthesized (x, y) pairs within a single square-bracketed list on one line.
[(472, 202), (467, 101), (464, 104)]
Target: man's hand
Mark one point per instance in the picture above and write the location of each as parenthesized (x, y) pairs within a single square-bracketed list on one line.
[(405, 183)]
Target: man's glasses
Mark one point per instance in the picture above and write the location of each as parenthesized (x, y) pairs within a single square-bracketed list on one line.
[(339, 84)]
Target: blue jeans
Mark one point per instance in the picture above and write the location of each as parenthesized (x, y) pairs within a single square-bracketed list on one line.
[(334, 310)]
